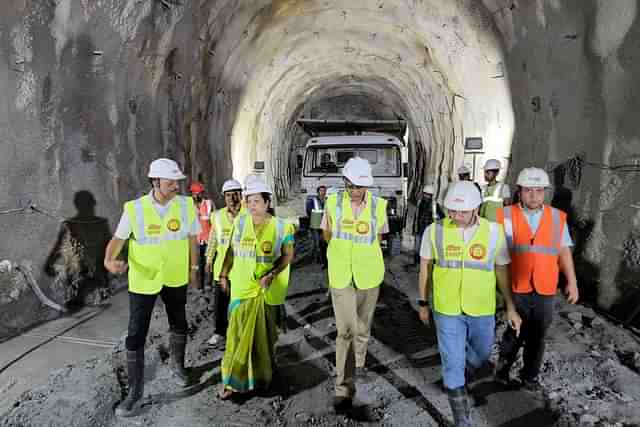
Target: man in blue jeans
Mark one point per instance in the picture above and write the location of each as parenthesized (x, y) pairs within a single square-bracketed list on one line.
[(464, 257)]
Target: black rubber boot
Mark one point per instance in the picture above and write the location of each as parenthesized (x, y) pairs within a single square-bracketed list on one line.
[(460, 406), (135, 370), (177, 345)]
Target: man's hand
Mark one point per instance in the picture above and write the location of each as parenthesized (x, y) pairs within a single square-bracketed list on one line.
[(571, 291), (425, 316), (265, 280), (207, 268), (224, 284), (193, 279), (514, 320), (116, 266)]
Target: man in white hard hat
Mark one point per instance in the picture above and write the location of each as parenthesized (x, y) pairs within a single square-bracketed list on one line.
[(464, 173), (221, 229), (464, 257), (495, 194), (353, 224), (162, 229), (428, 210), (540, 247)]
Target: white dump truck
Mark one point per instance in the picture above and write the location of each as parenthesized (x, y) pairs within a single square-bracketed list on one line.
[(332, 143)]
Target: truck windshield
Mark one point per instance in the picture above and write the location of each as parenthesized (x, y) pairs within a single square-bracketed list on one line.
[(329, 160)]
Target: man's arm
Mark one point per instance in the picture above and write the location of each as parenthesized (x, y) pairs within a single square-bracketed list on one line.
[(326, 227), (111, 263), (503, 280), (212, 245), (565, 262), (424, 284)]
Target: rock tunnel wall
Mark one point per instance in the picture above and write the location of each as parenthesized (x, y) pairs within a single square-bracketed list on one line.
[(572, 66), (93, 90)]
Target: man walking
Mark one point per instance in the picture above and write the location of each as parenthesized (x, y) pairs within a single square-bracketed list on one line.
[(427, 211), (540, 247), (315, 210), (495, 194), (204, 207), (162, 229), (353, 223), (464, 257), (221, 229)]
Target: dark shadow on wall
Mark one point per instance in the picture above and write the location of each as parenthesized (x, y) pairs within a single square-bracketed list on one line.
[(76, 259), (627, 308), (580, 229)]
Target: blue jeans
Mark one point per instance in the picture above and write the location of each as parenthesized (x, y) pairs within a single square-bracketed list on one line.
[(463, 339)]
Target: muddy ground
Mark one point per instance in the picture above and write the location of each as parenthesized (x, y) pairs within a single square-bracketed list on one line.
[(590, 372)]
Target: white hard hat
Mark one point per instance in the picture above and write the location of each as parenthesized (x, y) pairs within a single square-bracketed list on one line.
[(428, 189), (463, 170), (358, 171), (533, 177), (492, 164), (462, 196), (256, 186), (165, 168), (251, 178), (231, 185)]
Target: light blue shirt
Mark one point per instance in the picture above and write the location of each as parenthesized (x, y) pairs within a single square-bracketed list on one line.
[(533, 219)]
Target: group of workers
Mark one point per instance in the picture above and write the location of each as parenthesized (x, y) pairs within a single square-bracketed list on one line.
[(481, 245)]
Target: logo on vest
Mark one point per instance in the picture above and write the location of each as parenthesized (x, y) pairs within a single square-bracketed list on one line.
[(362, 228), (267, 247), (173, 225), (153, 229), (477, 251), (454, 251)]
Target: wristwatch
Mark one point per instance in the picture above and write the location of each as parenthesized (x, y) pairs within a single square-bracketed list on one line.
[(195, 267), (422, 303)]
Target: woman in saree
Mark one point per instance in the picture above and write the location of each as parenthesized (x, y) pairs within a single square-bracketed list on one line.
[(257, 271)]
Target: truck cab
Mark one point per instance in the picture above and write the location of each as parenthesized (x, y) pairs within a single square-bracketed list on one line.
[(326, 155)]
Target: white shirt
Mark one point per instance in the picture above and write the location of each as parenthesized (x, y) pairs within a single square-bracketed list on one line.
[(123, 231), (502, 254)]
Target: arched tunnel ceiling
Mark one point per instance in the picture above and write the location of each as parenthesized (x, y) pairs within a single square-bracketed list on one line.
[(438, 62)]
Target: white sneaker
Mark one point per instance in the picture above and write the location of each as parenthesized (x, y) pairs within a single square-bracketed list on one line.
[(215, 339)]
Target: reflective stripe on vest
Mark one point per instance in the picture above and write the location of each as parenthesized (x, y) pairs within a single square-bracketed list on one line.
[(471, 265), (508, 230), (224, 241), (251, 253), (143, 239), (496, 196), (367, 239)]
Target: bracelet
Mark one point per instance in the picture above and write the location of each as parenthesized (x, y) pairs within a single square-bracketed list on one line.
[(195, 267), (422, 303)]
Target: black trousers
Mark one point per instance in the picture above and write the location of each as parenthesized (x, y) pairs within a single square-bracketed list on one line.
[(536, 312), (141, 308), (202, 260), (222, 308)]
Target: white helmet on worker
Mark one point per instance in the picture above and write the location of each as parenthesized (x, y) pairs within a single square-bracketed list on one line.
[(463, 170), (165, 168), (462, 196), (256, 186), (533, 177), (492, 165), (231, 185), (358, 171), (428, 189)]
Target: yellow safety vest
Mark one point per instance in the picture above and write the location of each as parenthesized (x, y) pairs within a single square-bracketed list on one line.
[(253, 258), (159, 248), (354, 251), (464, 278), (491, 201), (223, 229)]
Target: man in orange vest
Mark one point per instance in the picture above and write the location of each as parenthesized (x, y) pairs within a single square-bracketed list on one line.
[(204, 208), (540, 248)]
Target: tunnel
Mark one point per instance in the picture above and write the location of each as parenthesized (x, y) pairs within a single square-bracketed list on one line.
[(93, 91)]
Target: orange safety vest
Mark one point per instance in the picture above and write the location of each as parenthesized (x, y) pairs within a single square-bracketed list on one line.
[(534, 259), (204, 212)]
